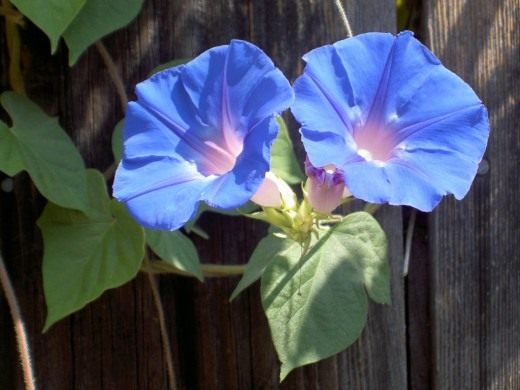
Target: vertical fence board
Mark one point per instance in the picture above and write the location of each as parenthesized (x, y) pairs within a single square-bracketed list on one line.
[(475, 248), (114, 343)]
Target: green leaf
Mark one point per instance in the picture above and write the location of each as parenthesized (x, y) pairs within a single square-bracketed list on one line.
[(117, 141), (52, 16), (10, 158), (97, 19), (169, 64), (37, 144), (176, 249), (266, 250), (283, 159), (87, 253), (317, 306)]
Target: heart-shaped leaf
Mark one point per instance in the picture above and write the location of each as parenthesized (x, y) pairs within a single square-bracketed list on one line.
[(87, 253), (317, 305)]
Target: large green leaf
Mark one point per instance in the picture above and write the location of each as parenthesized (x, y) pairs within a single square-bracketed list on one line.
[(266, 250), (87, 253), (317, 306), (36, 143), (97, 19), (52, 16), (176, 249), (283, 159)]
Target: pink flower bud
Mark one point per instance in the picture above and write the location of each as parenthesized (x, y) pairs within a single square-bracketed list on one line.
[(274, 192), (325, 187)]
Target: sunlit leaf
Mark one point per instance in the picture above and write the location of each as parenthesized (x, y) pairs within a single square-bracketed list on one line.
[(317, 306)]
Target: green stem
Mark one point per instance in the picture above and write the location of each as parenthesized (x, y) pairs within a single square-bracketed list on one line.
[(13, 15), (208, 270), (12, 34), (372, 208)]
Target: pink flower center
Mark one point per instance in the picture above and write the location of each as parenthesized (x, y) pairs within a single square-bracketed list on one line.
[(374, 144), (219, 160)]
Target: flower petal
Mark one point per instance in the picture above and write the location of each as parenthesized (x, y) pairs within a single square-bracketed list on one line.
[(246, 90), (164, 112), (160, 193), (341, 81)]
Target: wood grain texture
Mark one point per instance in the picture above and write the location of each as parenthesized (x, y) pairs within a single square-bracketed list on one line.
[(114, 343), (474, 243)]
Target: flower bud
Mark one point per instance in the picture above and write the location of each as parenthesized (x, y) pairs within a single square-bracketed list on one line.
[(274, 192), (325, 187)]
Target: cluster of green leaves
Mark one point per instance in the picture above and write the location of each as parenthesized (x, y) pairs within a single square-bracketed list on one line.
[(91, 243), (317, 304), (79, 22), (315, 301)]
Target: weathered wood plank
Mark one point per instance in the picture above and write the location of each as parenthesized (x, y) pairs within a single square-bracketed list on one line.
[(475, 247), (115, 342)]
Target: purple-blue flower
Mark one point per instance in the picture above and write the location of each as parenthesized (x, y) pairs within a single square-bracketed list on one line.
[(200, 132), (382, 109)]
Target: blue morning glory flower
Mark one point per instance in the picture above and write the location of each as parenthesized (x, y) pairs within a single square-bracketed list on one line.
[(200, 132), (382, 109)]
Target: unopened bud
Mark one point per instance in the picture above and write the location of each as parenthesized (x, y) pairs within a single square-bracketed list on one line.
[(274, 192), (325, 187)]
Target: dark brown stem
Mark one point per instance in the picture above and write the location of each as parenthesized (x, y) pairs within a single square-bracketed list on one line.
[(113, 73), (162, 324), (19, 328)]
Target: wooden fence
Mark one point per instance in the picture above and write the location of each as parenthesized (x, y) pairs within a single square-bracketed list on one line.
[(453, 323)]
